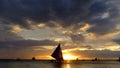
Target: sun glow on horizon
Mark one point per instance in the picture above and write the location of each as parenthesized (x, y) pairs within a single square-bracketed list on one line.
[(69, 57)]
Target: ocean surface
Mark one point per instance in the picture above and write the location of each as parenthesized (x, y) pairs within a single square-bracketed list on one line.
[(48, 64)]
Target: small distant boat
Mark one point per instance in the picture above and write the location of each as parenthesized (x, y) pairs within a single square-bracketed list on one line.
[(57, 54), (33, 58), (96, 59)]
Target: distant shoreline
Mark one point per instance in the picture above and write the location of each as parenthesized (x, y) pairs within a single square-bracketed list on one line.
[(52, 59)]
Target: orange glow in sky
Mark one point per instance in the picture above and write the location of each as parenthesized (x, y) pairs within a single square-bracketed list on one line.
[(69, 57)]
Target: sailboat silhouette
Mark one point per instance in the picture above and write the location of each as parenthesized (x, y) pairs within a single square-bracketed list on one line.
[(119, 59), (57, 54)]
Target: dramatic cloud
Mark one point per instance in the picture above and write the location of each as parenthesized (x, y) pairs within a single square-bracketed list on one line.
[(97, 53), (7, 35), (15, 46), (63, 12), (102, 18), (72, 21), (9, 39), (26, 43), (117, 41), (77, 38)]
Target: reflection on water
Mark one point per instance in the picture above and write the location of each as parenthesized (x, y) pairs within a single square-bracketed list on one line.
[(67, 66), (61, 66), (48, 64)]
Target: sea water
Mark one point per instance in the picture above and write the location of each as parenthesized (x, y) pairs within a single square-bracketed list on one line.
[(48, 64)]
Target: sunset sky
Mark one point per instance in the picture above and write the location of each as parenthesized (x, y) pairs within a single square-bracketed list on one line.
[(85, 28)]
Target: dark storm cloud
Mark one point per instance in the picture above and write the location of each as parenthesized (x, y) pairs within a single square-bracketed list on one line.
[(66, 12), (101, 16)]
